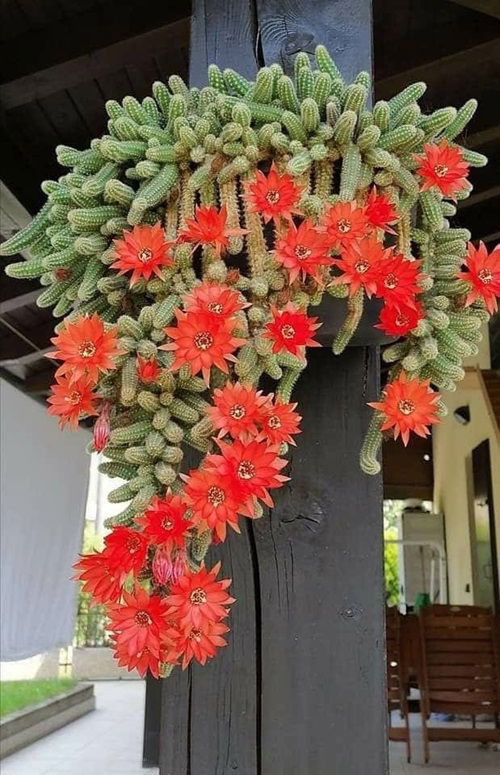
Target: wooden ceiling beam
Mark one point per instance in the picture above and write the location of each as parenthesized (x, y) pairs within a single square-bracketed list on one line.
[(29, 88), (488, 7), (88, 30), (23, 300), (14, 346)]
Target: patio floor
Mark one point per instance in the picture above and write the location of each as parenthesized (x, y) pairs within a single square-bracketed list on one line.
[(109, 742)]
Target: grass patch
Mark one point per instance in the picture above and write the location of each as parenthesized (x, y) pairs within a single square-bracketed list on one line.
[(15, 695)]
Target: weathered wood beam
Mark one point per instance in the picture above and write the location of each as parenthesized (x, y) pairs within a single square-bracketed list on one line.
[(489, 7), (15, 345), (93, 65), (482, 219), (87, 30), (28, 358), (23, 300)]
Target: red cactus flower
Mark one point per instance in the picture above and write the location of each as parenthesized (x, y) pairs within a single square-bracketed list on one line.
[(102, 428), (197, 598), (237, 410), (148, 369), (164, 522), (86, 348), (398, 280), (138, 622), (100, 578), (209, 227), (303, 251), (345, 223), (408, 405), (400, 320), (128, 549), (291, 330), (252, 468), (202, 341), (279, 423), (72, 400), (199, 643), (214, 299), (483, 273), (380, 211), (442, 165), (360, 265), (144, 251), (141, 660), (214, 500), (273, 195)]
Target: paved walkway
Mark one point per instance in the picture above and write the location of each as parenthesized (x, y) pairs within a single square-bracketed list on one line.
[(109, 742)]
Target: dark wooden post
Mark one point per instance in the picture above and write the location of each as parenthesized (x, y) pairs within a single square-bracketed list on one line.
[(300, 688), (152, 722)]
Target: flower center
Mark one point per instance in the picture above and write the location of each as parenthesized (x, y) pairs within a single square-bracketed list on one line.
[(167, 524), (198, 596), (215, 307), (485, 276), (74, 398), (287, 331), (203, 340), (402, 320), (133, 544), (142, 618), (87, 349), (344, 225), (216, 495), (274, 421), (440, 170), (406, 406), (195, 635), (246, 470), (145, 255), (237, 412), (361, 266), (391, 281), (273, 196), (302, 252)]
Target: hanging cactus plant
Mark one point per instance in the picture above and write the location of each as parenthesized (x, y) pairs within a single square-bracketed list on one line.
[(183, 250)]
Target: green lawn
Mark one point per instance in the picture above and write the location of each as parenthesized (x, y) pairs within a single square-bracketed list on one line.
[(15, 695)]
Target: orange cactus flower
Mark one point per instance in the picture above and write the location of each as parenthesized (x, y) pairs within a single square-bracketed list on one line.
[(164, 523), (408, 405), (483, 273), (213, 500), (380, 211), (291, 330), (201, 340), (197, 598), (237, 410), (303, 251), (148, 370), (209, 227), (398, 279), (360, 265), (198, 643), (400, 320), (100, 576), (214, 299), (86, 348), (71, 401), (144, 251), (344, 224), (252, 467), (279, 423), (442, 166), (138, 622), (273, 195), (128, 549)]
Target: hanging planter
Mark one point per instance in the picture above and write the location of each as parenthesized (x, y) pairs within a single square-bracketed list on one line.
[(197, 247)]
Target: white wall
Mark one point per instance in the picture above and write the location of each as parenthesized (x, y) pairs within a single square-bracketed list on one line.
[(44, 475)]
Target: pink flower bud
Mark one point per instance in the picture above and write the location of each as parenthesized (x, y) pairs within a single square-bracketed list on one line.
[(102, 427), (162, 566)]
